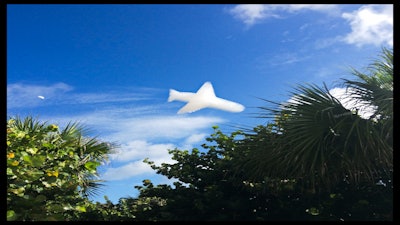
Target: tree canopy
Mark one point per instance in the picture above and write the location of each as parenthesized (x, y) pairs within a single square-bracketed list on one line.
[(50, 172)]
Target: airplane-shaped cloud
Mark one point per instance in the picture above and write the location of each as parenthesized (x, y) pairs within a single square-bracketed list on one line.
[(203, 98)]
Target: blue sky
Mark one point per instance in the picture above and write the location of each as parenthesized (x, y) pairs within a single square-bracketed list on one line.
[(110, 68)]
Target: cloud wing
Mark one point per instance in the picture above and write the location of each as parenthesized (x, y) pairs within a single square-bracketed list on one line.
[(226, 105), (216, 103), (206, 90)]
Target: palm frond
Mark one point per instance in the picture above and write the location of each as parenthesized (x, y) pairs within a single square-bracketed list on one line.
[(320, 141)]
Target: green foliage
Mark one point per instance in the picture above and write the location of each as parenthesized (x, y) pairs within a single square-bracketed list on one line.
[(209, 188), (49, 171), (319, 141)]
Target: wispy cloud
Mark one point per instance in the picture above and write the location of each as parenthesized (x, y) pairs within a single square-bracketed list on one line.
[(21, 95), (141, 149), (141, 123), (276, 60), (127, 171), (286, 58), (195, 138), (251, 14), (151, 138), (326, 8), (25, 95), (371, 24), (143, 136), (154, 127)]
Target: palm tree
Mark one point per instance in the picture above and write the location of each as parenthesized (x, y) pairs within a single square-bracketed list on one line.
[(92, 152), (320, 142), (377, 89), (86, 153)]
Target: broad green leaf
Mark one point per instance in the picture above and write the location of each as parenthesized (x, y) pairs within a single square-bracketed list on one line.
[(34, 175), (33, 151), (18, 191), (35, 161), (47, 145), (11, 216), (10, 171), (80, 208), (91, 166)]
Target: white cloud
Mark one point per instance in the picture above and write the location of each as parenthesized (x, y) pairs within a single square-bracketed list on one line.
[(85, 98), (250, 14), (364, 109), (323, 8), (127, 171), (135, 135), (135, 145), (195, 138), (132, 155), (141, 149), (156, 127), (371, 24)]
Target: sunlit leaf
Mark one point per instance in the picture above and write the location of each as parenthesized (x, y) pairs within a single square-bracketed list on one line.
[(91, 165), (11, 216), (80, 208)]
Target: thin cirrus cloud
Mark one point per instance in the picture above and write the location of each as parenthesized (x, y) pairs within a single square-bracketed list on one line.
[(21, 95), (251, 14), (156, 126), (285, 58), (26, 95), (370, 24), (140, 123)]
